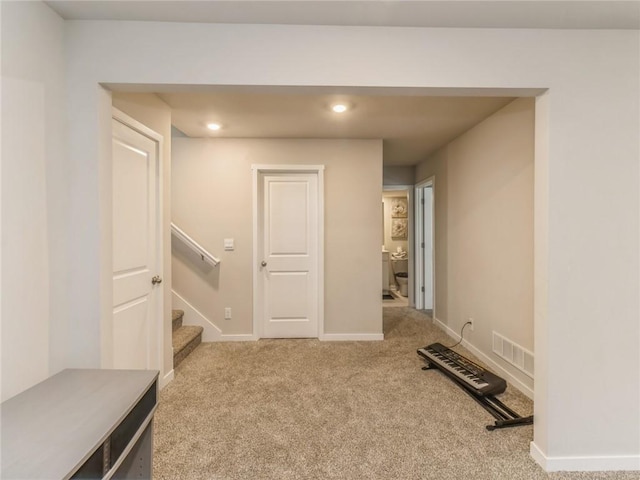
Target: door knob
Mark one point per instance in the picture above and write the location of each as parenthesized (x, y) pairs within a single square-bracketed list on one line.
[(263, 263), (156, 280)]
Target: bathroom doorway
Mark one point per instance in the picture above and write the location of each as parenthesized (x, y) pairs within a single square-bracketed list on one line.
[(424, 241), (397, 246)]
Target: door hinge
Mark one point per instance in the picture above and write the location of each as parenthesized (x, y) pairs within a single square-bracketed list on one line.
[(422, 245), (422, 289), (422, 201)]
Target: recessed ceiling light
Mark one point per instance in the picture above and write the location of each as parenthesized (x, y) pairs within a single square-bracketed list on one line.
[(339, 107), (214, 126)]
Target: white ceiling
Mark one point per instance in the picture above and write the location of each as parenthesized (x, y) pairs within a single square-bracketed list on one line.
[(440, 14), (412, 125)]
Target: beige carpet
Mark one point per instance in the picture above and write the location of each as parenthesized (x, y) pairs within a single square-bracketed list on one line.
[(305, 409)]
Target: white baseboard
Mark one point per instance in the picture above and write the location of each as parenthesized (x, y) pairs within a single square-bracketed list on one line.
[(488, 360), (585, 464), (192, 316), (164, 381), (241, 337), (351, 337), (538, 456), (212, 333)]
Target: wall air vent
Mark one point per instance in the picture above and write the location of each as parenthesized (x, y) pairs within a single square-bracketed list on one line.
[(519, 357)]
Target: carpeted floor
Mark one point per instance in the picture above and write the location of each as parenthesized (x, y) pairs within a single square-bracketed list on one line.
[(305, 409)]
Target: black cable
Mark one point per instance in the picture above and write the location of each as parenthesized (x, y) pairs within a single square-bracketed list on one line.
[(461, 332)]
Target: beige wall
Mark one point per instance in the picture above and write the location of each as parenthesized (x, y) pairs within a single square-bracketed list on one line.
[(484, 229), (212, 200), (398, 176), (151, 111)]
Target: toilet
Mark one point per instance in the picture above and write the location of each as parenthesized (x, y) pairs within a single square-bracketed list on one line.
[(403, 282), (400, 268)]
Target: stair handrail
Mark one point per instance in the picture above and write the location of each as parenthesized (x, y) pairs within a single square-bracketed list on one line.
[(193, 245)]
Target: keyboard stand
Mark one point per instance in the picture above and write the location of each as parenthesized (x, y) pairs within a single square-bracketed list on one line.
[(505, 417)]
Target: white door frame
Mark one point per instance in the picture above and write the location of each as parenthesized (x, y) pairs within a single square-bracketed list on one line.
[(257, 170), (408, 189), (159, 293), (419, 231)]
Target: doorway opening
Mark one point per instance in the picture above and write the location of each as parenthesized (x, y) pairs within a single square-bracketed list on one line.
[(397, 246)]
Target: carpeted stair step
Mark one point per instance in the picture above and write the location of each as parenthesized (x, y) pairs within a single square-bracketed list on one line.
[(185, 339), (176, 319)]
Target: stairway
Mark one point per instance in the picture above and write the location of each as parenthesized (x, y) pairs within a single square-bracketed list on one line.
[(185, 338)]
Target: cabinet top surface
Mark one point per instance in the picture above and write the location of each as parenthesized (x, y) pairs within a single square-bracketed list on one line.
[(50, 428)]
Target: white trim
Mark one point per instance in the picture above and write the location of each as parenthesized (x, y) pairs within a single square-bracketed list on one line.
[(192, 316), (584, 464), (211, 332), (256, 171), (134, 124), (320, 172), (286, 168), (513, 381), (537, 455), (240, 337), (419, 257), (257, 327), (166, 380), (351, 337)]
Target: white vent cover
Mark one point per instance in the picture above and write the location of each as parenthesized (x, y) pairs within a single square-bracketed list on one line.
[(519, 357)]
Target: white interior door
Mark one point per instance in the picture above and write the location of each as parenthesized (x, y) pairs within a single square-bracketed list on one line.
[(428, 246), (136, 186), (288, 276), (424, 241)]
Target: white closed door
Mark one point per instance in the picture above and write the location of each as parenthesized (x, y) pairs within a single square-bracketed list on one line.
[(424, 241), (289, 246), (428, 246), (135, 326)]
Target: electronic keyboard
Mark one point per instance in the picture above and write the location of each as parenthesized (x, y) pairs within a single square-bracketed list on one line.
[(470, 375), (478, 383)]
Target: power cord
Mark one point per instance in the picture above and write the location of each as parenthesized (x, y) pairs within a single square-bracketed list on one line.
[(461, 333)]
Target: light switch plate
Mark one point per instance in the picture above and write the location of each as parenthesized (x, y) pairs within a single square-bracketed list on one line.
[(229, 244)]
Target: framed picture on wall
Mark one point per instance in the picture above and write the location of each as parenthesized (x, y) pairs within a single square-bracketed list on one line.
[(398, 207), (398, 228)]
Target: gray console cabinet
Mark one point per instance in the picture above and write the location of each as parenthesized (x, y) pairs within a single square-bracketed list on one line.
[(81, 424)]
